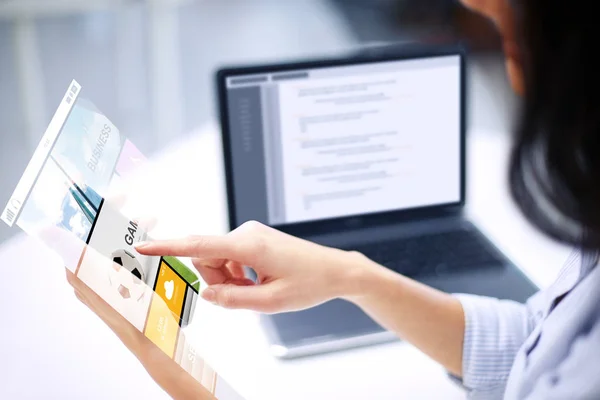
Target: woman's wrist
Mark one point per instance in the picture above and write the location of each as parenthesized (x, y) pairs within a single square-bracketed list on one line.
[(357, 276)]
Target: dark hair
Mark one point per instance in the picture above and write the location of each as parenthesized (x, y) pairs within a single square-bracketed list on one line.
[(555, 162)]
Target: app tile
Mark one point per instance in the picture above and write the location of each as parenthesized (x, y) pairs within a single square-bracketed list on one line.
[(162, 328), (171, 288)]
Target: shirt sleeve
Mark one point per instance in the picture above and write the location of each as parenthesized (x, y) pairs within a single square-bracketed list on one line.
[(495, 330)]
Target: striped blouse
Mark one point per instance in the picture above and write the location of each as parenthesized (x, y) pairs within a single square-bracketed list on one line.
[(506, 350)]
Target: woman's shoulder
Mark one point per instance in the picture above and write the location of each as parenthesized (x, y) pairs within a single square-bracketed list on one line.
[(566, 364), (563, 352), (575, 269)]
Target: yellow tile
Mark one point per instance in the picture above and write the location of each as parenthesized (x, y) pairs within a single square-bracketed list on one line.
[(162, 327), (171, 288)]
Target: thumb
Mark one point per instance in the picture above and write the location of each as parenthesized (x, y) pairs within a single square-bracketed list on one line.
[(252, 297)]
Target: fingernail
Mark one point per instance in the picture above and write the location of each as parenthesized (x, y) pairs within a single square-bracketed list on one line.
[(140, 245), (209, 295)]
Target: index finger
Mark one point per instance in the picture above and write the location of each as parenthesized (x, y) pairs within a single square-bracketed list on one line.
[(195, 247)]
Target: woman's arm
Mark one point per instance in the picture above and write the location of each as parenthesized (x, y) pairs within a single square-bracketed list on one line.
[(294, 274), (431, 320), (472, 337)]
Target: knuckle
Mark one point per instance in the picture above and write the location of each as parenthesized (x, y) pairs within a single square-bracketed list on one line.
[(191, 238), (252, 226), (226, 298), (357, 255), (273, 300), (258, 244), (251, 240), (277, 298), (200, 242)]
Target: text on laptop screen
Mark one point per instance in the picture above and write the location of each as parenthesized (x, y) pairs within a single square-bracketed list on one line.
[(347, 140)]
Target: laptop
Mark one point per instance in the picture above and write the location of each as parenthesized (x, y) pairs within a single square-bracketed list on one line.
[(366, 153)]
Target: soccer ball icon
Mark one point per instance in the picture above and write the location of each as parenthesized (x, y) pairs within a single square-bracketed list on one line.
[(126, 259), (127, 275)]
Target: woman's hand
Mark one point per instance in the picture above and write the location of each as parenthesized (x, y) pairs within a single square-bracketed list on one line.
[(293, 274), (178, 383)]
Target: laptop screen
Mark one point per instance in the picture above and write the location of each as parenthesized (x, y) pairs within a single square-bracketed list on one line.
[(346, 140)]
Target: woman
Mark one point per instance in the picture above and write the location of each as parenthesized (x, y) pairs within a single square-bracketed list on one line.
[(548, 348)]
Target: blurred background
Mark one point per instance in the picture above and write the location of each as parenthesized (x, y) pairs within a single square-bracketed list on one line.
[(149, 64)]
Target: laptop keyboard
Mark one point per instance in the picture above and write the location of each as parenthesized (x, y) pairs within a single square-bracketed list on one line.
[(433, 254)]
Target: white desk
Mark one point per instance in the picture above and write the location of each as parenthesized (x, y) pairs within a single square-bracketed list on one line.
[(51, 346)]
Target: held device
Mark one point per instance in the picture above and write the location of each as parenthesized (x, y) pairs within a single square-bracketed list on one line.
[(73, 197), (79, 195), (364, 152), (163, 274)]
